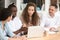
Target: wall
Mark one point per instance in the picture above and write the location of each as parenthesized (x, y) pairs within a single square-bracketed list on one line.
[(7, 2)]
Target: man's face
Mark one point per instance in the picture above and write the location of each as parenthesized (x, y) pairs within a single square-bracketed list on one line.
[(14, 11), (52, 10)]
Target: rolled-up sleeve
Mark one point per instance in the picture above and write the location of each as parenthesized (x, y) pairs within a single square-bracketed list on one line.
[(2, 36), (9, 32)]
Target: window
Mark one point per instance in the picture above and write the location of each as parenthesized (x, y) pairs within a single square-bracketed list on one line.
[(58, 3)]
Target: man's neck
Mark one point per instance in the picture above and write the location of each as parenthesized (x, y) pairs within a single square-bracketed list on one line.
[(53, 14)]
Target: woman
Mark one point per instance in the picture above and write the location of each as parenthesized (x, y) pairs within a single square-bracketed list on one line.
[(29, 16), (6, 16)]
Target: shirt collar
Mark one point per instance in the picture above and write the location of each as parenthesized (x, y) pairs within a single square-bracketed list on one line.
[(54, 15)]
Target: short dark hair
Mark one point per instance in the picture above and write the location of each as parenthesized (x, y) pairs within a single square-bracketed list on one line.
[(54, 5), (11, 5), (5, 13)]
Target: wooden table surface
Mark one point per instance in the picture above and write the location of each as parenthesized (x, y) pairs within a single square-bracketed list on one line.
[(48, 37)]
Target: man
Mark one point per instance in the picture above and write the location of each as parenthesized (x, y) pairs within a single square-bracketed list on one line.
[(15, 24), (52, 21)]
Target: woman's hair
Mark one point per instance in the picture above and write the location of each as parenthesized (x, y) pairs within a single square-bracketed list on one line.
[(4, 14), (25, 14), (0, 10)]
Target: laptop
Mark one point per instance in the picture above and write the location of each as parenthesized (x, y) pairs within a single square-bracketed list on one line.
[(35, 32)]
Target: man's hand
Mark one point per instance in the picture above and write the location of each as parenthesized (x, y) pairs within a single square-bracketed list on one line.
[(52, 29)]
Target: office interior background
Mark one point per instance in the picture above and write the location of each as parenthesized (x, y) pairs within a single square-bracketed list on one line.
[(42, 5)]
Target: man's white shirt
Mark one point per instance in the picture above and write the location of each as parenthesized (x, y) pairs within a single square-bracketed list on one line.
[(47, 21), (15, 24)]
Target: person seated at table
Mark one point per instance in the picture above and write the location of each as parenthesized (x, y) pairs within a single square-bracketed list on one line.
[(6, 16), (52, 21), (29, 16), (15, 24)]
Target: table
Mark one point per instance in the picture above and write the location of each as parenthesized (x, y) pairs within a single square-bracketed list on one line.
[(48, 37)]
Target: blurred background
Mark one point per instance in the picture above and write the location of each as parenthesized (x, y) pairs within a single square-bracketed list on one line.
[(42, 5)]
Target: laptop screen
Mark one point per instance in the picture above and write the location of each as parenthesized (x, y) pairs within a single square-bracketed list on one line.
[(35, 31)]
